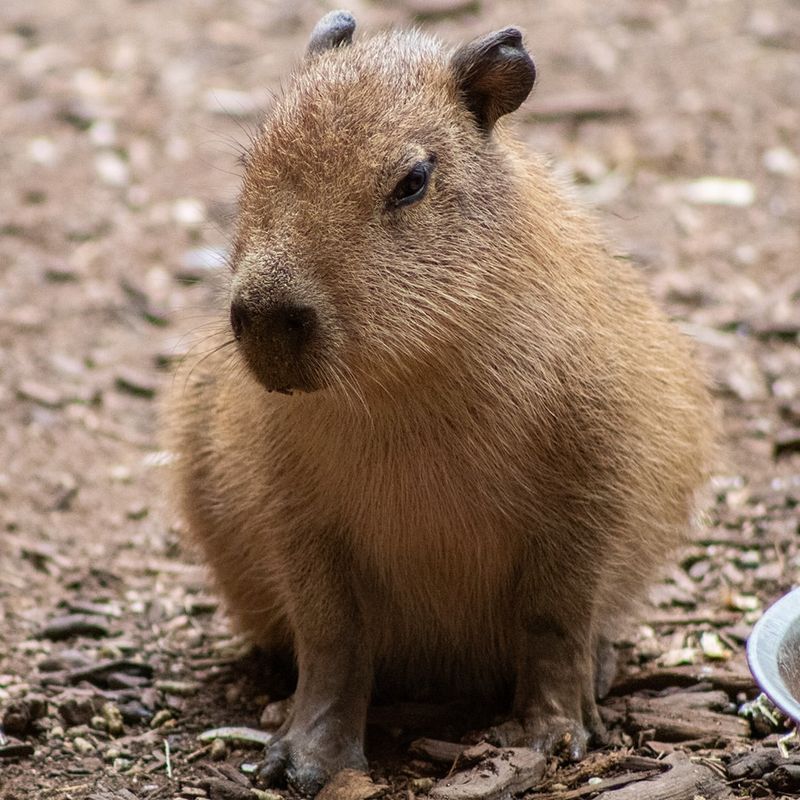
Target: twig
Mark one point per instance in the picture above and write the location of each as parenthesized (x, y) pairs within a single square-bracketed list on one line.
[(168, 763)]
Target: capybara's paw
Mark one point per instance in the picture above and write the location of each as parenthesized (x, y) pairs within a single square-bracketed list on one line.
[(297, 763), (557, 736), (550, 735)]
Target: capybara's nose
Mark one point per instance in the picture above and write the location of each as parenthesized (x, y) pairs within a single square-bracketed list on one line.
[(294, 324), (240, 318), (282, 326)]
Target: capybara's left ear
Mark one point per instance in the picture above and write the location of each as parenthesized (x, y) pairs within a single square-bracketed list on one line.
[(494, 74), (335, 29)]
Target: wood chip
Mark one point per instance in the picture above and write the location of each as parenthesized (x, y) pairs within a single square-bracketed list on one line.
[(16, 750), (100, 672), (685, 781), (601, 786), (227, 790), (685, 716), (437, 751), (139, 384), (755, 763), (351, 784), (70, 625), (732, 677), (513, 771)]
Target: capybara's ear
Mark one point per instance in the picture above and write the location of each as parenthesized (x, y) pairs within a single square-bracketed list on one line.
[(335, 29), (494, 74)]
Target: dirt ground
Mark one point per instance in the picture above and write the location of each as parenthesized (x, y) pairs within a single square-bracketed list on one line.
[(120, 121)]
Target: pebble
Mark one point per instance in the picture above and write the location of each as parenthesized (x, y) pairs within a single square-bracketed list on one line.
[(179, 688), (275, 714), (113, 719), (40, 394), (219, 750), (189, 212), (42, 151), (76, 710), (749, 559), (742, 602), (162, 716), (97, 723), (120, 473), (712, 647), (699, 569), (134, 713), (719, 191), (781, 161), (20, 715), (111, 169), (103, 133), (83, 746)]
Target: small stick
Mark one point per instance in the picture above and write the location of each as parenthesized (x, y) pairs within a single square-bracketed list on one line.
[(167, 762)]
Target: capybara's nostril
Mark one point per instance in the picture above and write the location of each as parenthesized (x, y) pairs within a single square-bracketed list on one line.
[(240, 317), (296, 323)]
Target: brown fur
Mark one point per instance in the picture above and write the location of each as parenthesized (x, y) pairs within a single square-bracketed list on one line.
[(506, 436)]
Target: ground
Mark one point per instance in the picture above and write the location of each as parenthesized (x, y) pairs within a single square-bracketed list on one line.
[(678, 120)]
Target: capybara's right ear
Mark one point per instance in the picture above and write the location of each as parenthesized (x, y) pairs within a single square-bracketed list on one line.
[(333, 30), (494, 74)]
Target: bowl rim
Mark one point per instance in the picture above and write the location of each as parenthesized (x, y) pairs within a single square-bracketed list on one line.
[(763, 646)]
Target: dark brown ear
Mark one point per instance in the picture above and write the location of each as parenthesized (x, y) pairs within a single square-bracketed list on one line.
[(334, 29), (495, 74)]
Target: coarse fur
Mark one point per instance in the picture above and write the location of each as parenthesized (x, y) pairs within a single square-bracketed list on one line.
[(499, 438)]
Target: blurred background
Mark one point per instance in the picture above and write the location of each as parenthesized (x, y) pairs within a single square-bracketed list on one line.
[(120, 126)]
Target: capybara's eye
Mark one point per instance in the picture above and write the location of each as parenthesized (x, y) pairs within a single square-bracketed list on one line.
[(413, 187)]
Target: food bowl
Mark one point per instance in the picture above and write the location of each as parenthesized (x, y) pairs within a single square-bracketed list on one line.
[(773, 652)]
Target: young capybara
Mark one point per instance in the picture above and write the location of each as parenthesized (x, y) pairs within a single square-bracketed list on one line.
[(451, 437)]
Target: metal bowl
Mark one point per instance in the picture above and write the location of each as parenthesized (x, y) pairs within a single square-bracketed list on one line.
[(773, 652)]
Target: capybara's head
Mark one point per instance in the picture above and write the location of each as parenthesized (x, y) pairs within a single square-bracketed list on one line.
[(374, 216)]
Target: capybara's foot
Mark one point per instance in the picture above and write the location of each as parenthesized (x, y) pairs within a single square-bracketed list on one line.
[(547, 734), (305, 763)]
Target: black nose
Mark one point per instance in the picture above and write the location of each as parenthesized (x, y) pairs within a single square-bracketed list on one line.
[(281, 324), (296, 324), (240, 318)]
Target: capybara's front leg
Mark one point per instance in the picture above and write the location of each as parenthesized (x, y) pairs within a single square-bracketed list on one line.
[(325, 732), (554, 707)]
